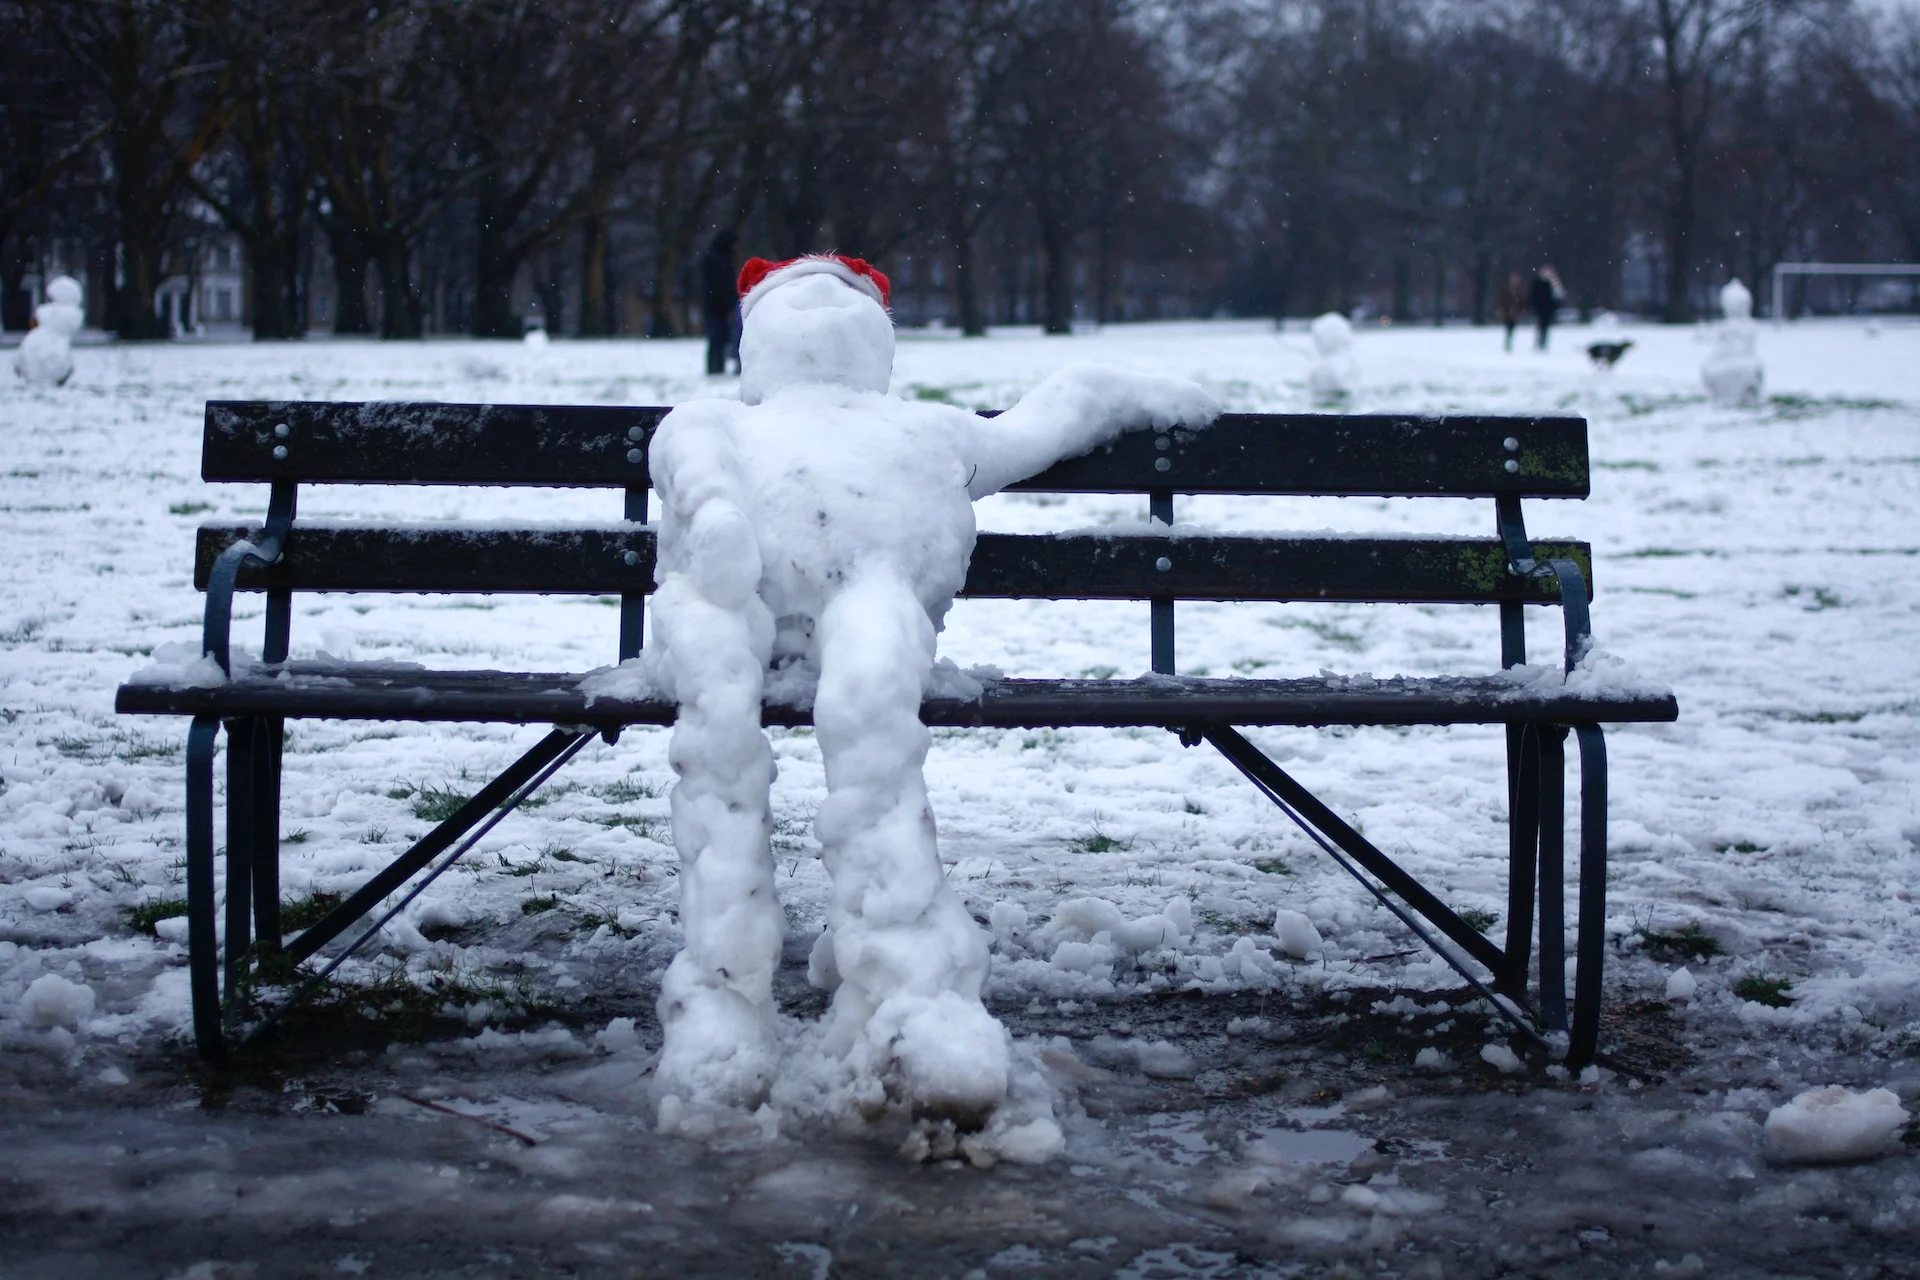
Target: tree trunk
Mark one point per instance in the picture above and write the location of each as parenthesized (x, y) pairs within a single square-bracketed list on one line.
[(1439, 291), (16, 304), (596, 314), (1402, 289), (1482, 282), (494, 271), (399, 307), (966, 298), (666, 265), (1680, 249), (270, 282), (350, 263), (130, 302), (1056, 279)]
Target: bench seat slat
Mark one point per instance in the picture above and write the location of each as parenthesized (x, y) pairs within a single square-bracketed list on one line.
[(590, 561), (605, 446), (374, 692)]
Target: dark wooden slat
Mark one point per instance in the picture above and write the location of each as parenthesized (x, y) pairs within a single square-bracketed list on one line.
[(1244, 453), (390, 442), (450, 559), (1357, 455), (1081, 566), (358, 691)]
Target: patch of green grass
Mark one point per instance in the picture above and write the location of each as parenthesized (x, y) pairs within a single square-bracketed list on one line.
[(436, 804), (143, 917), (189, 508), (1478, 919), (627, 790), (1098, 841), (558, 852), (1690, 943), (374, 835), (1273, 866), (547, 795), (1819, 599), (522, 868), (307, 910), (649, 828), (72, 745), (534, 906), (1740, 846), (1762, 989), (299, 835)]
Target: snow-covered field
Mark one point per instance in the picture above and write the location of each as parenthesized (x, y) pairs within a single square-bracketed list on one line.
[(1762, 562)]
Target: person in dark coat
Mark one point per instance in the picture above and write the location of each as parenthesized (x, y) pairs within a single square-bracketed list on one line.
[(1544, 295), (1510, 304), (720, 299)]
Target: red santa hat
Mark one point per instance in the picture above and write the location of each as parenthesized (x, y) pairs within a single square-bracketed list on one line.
[(760, 277)]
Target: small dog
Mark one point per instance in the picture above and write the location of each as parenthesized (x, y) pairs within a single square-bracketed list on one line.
[(1607, 354)]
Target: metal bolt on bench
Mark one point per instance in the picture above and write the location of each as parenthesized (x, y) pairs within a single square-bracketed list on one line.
[(285, 445)]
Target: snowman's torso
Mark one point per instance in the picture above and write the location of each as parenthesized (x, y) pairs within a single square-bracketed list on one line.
[(839, 483)]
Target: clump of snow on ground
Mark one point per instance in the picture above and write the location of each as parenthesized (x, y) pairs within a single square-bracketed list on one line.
[(1823, 1126), (53, 1001)]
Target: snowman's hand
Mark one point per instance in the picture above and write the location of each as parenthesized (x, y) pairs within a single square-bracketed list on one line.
[(1075, 410), (723, 553)]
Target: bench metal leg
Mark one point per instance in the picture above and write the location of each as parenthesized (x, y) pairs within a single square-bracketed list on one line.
[(1591, 947), (1523, 839), (241, 833), (1553, 877), (269, 743), (203, 959)]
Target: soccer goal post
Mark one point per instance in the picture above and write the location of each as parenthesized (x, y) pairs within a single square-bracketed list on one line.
[(1782, 270)]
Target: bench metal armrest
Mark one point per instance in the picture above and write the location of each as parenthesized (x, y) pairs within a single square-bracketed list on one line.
[(1573, 583), (216, 634)]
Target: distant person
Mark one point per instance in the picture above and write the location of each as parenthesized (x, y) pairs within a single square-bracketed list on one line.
[(1510, 304), (1544, 295), (720, 295)]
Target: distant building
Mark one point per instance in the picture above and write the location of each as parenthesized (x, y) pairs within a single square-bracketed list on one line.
[(206, 293)]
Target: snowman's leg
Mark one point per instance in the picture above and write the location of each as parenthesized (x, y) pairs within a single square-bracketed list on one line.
[(716, 1001), (911, 960)]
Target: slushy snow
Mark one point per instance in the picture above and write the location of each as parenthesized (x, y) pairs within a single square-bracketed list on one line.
[(1825, 1126), (45, 357), (52, 1001), (1732, 372), (819, 524), (1333, 375)]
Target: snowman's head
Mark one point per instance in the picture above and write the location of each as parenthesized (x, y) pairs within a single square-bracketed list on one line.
[(1736, 302), (64, 290), (819, 320)]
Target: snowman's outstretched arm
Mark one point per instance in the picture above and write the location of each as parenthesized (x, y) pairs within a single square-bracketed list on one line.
[(704, 530), (1074, 410)]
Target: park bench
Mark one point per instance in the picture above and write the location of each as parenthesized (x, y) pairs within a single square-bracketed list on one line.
[(1505, 459)]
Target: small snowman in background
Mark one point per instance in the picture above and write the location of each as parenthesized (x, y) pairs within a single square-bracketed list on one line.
[(1331, 380), (1732, 372), (45, 357)]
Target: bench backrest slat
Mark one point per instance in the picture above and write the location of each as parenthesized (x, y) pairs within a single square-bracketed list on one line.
[(605, 447), (609, 561)]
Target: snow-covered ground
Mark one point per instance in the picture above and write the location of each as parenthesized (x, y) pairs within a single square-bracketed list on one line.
[(1762, 562)]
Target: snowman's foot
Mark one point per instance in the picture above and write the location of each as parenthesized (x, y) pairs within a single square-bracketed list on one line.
[(720, 1050), (951, 1057)]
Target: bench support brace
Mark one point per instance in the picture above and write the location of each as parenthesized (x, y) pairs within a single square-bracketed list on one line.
[(252, 810), (1537, 843)]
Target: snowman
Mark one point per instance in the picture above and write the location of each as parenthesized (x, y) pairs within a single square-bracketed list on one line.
[(818, 529), (1331, 379), (45, 357), (1732, 372)]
